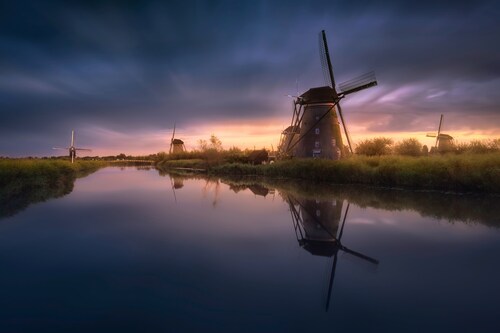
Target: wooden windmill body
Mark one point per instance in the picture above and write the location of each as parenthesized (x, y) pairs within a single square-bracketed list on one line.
[(176, 145), (315, 129), (320, 222), (320, 127)]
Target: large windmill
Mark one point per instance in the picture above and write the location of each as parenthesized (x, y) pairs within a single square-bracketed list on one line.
[(72, 149), (315, 129), (444, 142), (176, 145)]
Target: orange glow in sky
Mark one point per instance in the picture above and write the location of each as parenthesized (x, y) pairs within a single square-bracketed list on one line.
[(263, 133)]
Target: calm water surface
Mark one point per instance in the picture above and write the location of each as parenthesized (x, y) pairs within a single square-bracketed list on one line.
[(130, 250)]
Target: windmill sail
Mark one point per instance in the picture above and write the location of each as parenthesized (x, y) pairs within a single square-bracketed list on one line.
[(439, 130), (72, 149), (361, 82), (332, 82), (172, 140), (326, 63)]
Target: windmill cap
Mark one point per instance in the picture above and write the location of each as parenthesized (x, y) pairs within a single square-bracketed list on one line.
[(318, 95), (177, 141)]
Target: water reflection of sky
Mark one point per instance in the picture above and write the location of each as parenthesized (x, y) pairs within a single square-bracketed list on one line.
[(122, 252)]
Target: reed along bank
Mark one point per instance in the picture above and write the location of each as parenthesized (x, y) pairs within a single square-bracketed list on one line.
[(26, 181), (455, 173)]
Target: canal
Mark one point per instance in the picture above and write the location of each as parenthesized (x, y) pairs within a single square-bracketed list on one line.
[(134, 250)]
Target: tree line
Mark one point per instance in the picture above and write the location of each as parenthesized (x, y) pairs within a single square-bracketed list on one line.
[(412, 147)]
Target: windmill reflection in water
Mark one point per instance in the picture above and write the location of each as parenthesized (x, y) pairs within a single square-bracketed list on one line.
[(177, 182), (316, 225)]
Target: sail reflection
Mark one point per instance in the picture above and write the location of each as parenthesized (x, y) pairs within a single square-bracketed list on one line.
[(316, 226), (318, 222)]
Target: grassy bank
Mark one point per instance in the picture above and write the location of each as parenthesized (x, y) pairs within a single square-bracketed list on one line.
[(25, 181), (459, 173), (183, 163)]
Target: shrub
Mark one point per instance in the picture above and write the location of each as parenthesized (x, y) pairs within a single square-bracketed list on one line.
[(479, 146), (374, 147), (408, 147)]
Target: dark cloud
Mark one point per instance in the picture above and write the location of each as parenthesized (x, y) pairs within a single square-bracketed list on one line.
[(143, 64)]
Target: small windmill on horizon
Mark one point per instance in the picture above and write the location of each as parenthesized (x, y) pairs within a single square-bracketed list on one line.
[(176, 145), (72, 149), (444, 142), (315, 128)]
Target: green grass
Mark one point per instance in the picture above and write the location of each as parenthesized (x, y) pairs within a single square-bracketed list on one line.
[(187, 163), (459, 173), (43, 171), (25, 181)]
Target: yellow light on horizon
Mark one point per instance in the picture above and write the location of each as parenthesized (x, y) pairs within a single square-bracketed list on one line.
[(257, 133)]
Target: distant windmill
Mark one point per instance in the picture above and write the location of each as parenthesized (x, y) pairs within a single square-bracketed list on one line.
[(315, 130), (176, 145), (444, 142), (72, 149)]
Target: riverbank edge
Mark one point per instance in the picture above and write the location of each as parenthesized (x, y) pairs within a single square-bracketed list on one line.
[(43, 170), (27, 181), (474, 173)]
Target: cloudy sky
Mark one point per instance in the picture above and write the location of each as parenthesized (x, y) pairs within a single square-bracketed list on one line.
[(120, 73)]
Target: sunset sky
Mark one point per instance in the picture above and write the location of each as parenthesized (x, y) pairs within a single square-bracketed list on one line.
[(120, 73)]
